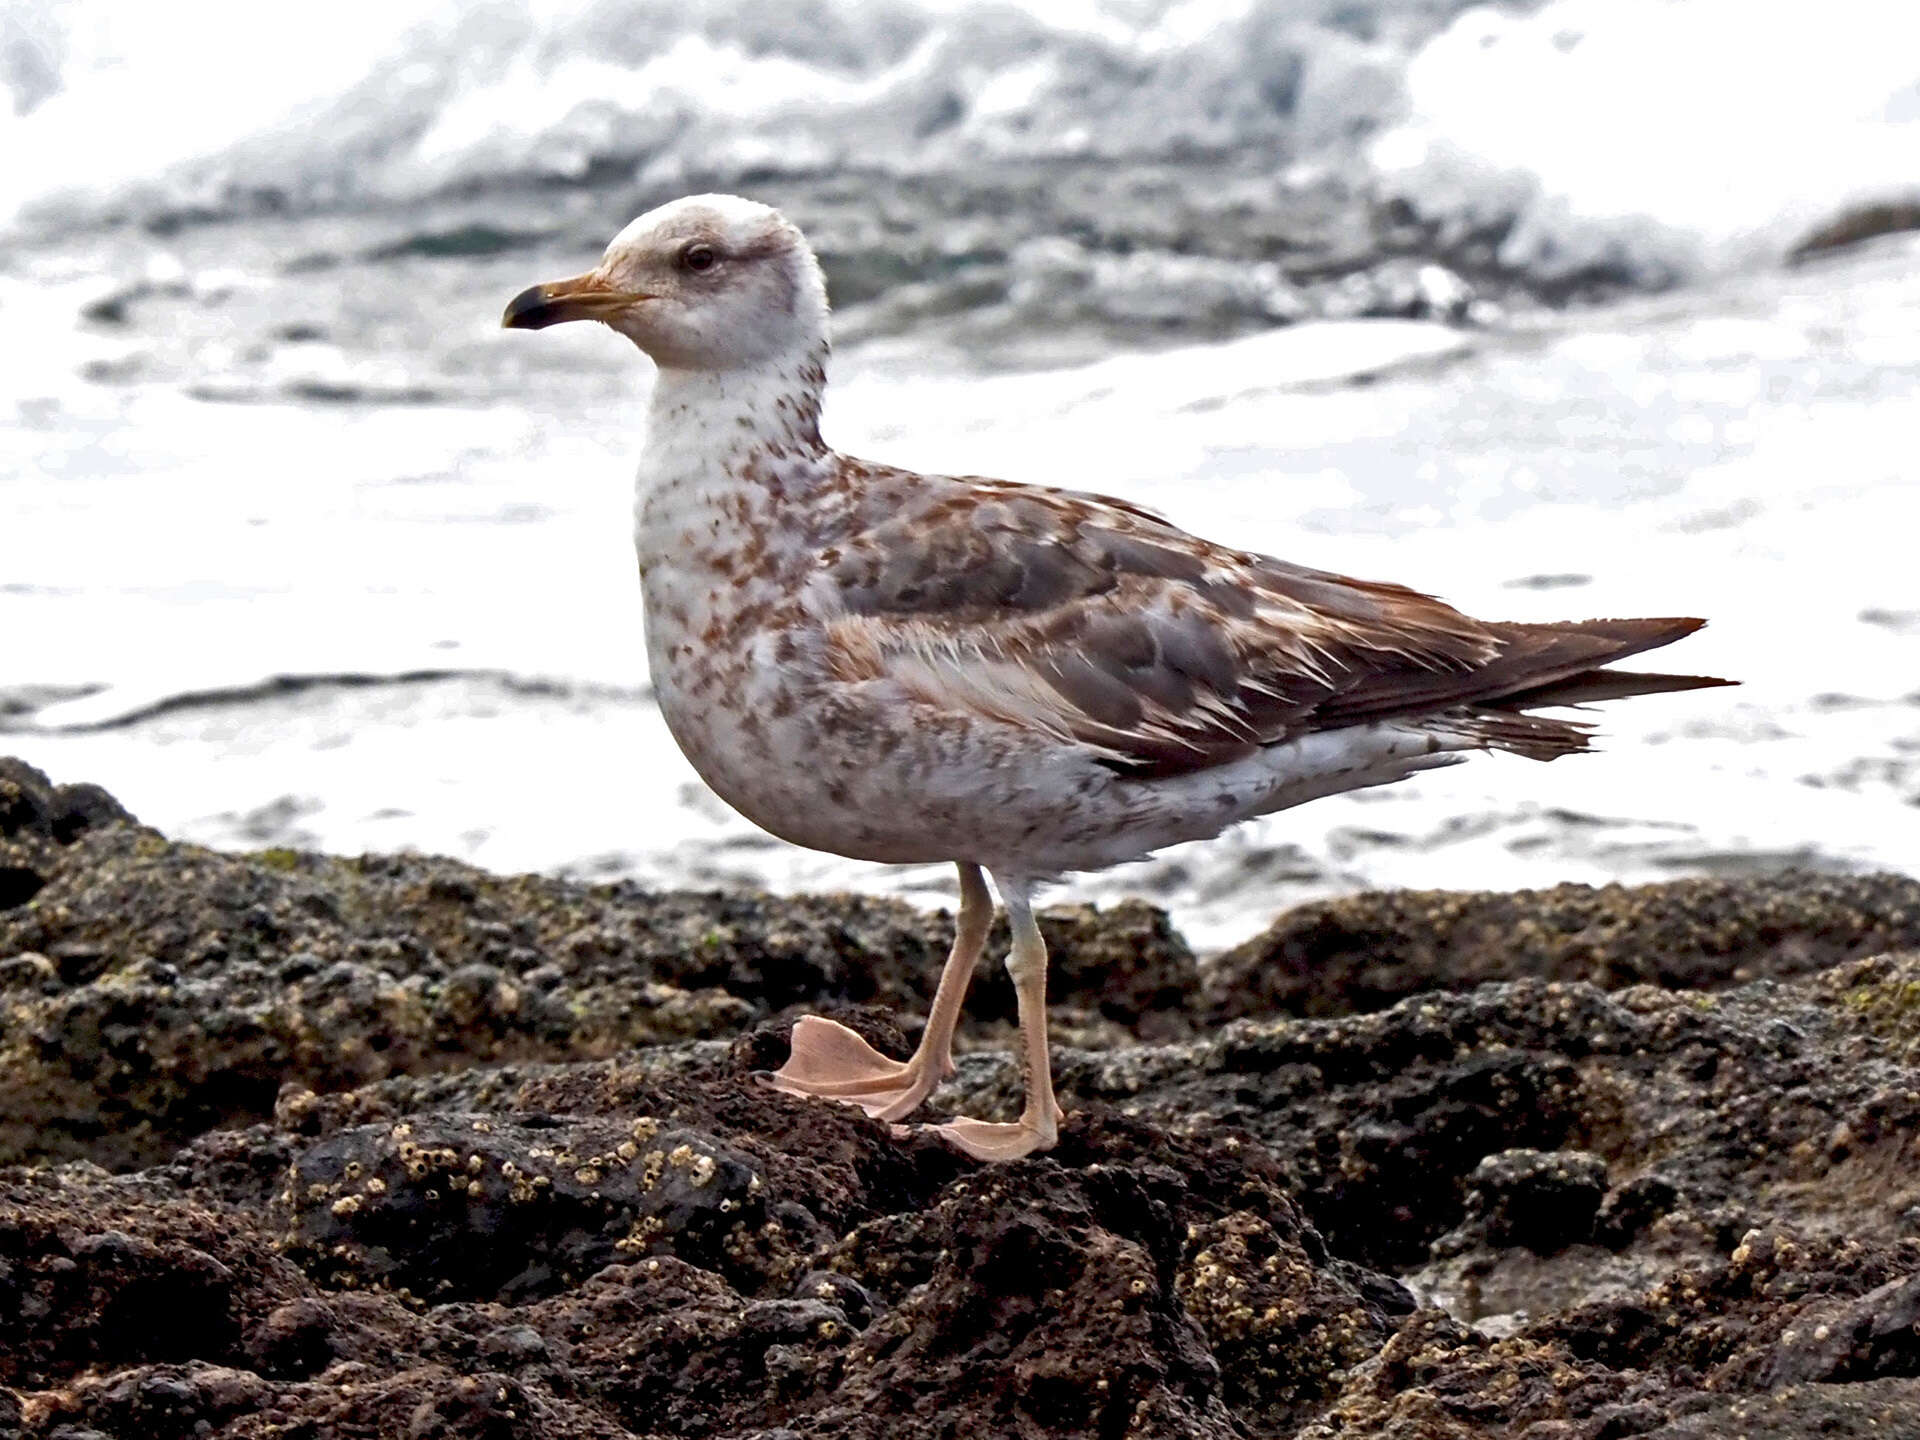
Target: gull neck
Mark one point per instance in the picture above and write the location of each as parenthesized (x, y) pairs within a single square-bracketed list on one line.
[(772, 409)]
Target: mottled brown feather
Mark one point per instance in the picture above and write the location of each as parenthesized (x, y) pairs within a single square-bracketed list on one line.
[(1102, 623)]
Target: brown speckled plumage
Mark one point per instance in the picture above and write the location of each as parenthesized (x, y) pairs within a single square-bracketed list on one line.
[(1023, 680)]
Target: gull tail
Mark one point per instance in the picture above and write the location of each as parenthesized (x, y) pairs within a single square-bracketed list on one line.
[(1566, 664)]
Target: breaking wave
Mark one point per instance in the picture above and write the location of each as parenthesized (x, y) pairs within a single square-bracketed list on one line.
[(1653, 139)]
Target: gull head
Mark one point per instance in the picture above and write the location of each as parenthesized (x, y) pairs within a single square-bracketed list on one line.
[(709, 282)]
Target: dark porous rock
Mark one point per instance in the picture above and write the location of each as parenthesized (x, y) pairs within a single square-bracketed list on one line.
[(1544, 1201), (465, 1206), (1873, 1410), (1627, 1210), (401, 1148), (1281, 1318), (98, 1273), (1365, 952), (150, 991), (33, 807)]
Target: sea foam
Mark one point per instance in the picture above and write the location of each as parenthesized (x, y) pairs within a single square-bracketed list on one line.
[(1644, 139)]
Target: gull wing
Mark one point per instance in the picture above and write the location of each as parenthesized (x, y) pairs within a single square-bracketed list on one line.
[(1097, 623)]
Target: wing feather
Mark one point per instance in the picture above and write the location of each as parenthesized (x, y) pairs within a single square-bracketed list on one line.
[(1097, 623)]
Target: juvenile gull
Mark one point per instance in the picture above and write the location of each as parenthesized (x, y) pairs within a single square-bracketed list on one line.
[(1021, 680)]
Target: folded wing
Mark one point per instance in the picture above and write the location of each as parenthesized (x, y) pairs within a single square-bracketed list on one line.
[(1099, 624)]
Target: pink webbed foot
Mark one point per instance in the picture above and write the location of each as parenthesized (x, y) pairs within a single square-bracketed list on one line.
[(989, 1140), (830, 1062)]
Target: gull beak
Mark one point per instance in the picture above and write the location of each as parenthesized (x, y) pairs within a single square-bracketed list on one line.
[(584, 297)]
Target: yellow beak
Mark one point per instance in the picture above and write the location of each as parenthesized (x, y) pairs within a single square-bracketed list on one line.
[(584, 297)]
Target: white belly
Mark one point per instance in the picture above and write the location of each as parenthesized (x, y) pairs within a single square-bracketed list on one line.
[(761, 734)]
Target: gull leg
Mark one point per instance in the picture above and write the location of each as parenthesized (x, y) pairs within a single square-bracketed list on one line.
[(1039, 1123), (829, 1062)]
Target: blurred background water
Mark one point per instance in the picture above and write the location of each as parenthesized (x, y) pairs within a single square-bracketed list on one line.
[(1558, 308)]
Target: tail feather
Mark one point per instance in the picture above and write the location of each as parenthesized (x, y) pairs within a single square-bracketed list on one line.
[(1549, 664), (1621, 637), (1565, 664), (1541, 655), (1536, 737), (1590, 687)]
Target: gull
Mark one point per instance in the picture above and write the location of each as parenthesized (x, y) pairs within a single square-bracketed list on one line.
[(1019, 680)]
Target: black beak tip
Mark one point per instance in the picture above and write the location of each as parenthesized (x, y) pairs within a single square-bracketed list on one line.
[(530, 310)]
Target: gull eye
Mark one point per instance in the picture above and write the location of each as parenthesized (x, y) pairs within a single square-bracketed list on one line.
[(698, 256)]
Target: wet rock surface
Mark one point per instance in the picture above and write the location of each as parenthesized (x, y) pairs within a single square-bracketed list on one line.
[(1368, 951), (317, 1147)]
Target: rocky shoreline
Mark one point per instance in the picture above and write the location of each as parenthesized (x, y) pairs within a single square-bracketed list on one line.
[(304, 1146)]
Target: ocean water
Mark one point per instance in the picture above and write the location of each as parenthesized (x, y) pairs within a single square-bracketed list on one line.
[(1513, 303)]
